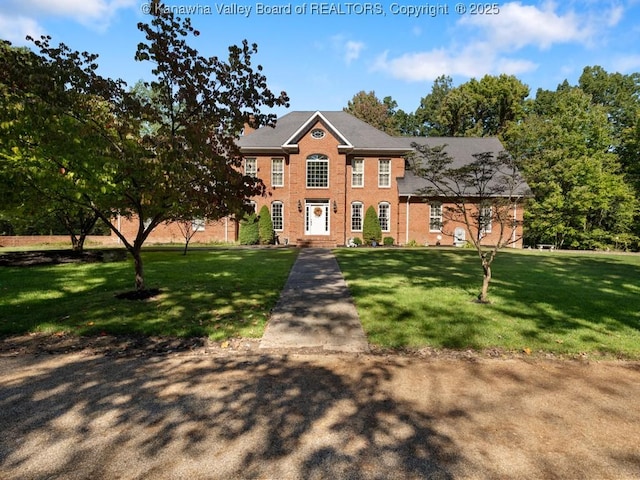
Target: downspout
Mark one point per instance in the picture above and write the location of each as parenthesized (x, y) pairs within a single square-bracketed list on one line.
[(515, 219), (406, 241)]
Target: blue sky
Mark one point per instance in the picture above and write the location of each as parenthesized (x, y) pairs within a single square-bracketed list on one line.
[(324, 55)]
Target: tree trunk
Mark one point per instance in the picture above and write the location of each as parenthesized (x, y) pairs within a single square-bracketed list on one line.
[(186, 245), (486, 267), (137, 260)]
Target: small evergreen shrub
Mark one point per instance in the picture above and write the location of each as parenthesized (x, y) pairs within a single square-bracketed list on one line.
[(388, 241), (412, 243), (371, 231), (248, 233), (357, 241), (265, 227)]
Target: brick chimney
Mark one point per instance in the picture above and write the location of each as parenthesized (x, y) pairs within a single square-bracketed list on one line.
[(249, 126)]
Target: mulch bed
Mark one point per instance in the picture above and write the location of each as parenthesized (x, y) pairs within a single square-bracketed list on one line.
[(54, 257)]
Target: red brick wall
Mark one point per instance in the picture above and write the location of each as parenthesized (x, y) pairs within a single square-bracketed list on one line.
[(419, 212)]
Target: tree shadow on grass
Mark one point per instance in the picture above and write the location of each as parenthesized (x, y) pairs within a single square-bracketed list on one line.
[(93, 417)]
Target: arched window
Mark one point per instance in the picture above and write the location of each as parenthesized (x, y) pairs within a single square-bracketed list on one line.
[(317, 171)]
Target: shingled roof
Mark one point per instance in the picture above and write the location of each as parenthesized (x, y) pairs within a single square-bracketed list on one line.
[(355, 135), (460, 149)]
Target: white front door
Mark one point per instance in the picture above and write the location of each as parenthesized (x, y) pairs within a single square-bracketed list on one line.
[(316, 218)]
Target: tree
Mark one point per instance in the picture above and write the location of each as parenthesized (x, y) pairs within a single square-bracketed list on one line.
[(188, 230), (265, 226), (563, 148), (249, 232), (147, 174), (427, 114), (482, 107), (478, 194), (371, 231), (381, 114)]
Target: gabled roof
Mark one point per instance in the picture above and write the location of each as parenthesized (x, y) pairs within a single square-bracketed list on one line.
[(354, 135), (461, 150)]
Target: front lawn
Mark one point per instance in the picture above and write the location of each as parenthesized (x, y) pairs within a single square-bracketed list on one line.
[(220, 293), (541, 301)]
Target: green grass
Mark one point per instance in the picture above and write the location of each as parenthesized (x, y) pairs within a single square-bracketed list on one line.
[(543, 301), (220, 293)]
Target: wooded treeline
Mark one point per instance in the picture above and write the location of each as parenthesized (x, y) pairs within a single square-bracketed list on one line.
[(578, 147)]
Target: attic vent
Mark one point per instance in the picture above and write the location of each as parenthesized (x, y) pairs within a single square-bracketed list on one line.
[(317, 133)]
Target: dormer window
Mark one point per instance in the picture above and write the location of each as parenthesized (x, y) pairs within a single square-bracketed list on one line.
[(317, 133)]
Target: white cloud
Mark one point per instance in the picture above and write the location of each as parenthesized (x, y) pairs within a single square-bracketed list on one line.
[(349, 50), (518, 26), (627, 64), (492, 44), (92, 13), (16, 29), (352, 51)]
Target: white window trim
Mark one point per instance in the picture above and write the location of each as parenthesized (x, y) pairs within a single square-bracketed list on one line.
[(386, 161), (486, 228), (278, 202), (279, 161), (255, 164), (432, 216), (388, 205), (317, 158), (353, 172), (198, 224), (361, 216)]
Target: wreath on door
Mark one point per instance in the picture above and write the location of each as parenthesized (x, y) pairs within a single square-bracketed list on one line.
[(317, 211)]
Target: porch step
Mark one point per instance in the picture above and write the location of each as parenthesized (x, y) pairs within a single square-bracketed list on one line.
[(316, 242)]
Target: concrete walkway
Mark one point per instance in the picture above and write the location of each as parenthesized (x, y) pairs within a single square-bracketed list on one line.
[(315, 309)]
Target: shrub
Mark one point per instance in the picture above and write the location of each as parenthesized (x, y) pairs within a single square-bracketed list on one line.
[(357, 241), (412, 243), (371, 231), (248, 232), (388, 241), (265, 226)]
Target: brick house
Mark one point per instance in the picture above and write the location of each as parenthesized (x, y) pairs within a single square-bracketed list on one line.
[(323, 170)]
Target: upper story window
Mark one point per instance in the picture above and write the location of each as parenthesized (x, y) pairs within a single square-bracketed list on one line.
[(384, 213), (250, 167), (277, 172), (435, 217), (317, 133), (317, 171), (357, 172), (384, 173)]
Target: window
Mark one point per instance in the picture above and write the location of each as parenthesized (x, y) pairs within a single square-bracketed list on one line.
[(384, 173), (250, 167), (435, 217), (317, 171), (317, 133), (486, 214), (277, 172), (356, 216), (383, 216), (197, 224), (277, 216), (357, 172)]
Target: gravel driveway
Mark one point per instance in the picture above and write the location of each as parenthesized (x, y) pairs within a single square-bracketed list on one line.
[(264, 415)]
